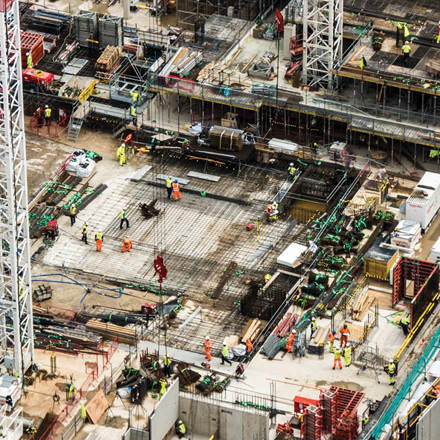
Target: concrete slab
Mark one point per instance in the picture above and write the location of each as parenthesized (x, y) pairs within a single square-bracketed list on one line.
[(204, 176)]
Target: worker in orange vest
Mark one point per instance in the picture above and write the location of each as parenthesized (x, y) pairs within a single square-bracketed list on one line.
[(208, 348), (126, 244), (331, 337), (249, 345), (99, 237), (337, 358), (176, 190), (345, 334), (291, 341)]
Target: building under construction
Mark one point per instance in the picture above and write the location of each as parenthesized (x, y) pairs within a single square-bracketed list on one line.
[(230, 224)]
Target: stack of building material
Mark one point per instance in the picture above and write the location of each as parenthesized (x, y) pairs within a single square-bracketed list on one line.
[(225, 138), (317, 343), (33, 44), (313, 423), (111, 31), (252, 330), (49, 21), (86, 27), (283, 146), (108, 59), (112, 331), (362, 304), (286, 324)]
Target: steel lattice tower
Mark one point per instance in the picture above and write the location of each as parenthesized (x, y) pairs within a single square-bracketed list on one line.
[(322, 39), (15, 284)]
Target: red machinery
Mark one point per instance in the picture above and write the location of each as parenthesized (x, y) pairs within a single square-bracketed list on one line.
[(36, 76)]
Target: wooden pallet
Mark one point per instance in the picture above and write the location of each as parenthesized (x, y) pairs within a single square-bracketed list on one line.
[(111, 331)]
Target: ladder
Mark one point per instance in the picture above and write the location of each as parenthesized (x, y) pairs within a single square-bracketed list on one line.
[(75, 125)]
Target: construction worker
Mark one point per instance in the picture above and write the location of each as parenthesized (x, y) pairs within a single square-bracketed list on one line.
[(72, 211), (249, 345), (71, 391), (208, 349), (404, 323), (167, 365), (266, 278), (126, 244), (347, 355), (362, 63), (134, 97), (291, 170), (405, 31), (99, 238), (123, 218), (239, 371), (399, 27), (313, 327), (337, 358), (133, 114), (180, 428), (83, 412), (85, 230), (345, 334), (176, 190), (121, 154), (168, 184), (391, 370), (47, 114), (290, 341), (163, 387), (331, 337), (406, 50), (314, 149), (29, 60), (272, 211), (225, 354), (438, 33)]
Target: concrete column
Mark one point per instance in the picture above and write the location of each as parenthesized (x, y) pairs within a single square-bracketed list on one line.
[(126, 9)]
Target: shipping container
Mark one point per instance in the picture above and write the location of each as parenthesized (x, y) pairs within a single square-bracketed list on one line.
[(424, 202)]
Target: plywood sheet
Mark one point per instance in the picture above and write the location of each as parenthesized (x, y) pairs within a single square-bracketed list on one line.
[(97, 406)]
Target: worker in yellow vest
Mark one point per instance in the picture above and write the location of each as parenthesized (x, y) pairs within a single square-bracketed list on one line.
[(72, 211), (168, 184), (337, 358), (392, 371), (47, 114), (120, 154), (99, 237), (29, 60), (85, 230), (406, 50)]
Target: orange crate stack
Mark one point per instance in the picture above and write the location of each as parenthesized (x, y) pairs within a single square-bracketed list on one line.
[(32, 43)]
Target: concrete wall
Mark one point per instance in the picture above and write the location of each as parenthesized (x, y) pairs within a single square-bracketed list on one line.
[(165, 413), (205, 417), (428, 426)]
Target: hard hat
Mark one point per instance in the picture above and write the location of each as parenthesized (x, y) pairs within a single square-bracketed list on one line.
[(46, 106), (333, 332), (406, 42), (207, 338), (313, 319), (294, 331), (123, 144), (391, 360), (345, 325), (224, 343), (28, 54), (291, 164), (176, 181)]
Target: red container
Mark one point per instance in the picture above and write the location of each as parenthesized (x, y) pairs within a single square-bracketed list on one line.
[(32, 43)]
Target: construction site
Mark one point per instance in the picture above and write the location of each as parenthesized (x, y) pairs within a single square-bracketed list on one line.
[(219, 220)]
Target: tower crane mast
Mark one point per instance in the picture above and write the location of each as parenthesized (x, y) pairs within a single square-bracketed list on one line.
[(16, 322)]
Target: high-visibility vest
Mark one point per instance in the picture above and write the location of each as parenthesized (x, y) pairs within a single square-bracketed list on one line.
[(182, 428), (176, 187), (99, 236), (123, 214), (83, 412), (134, 96), (347, 352), (168, 183), (127, 241), (391, 368), (404, 320), (207, 344), (406, 48), (73, 210), (345, 331), (29, 60), (225, 351), (166, 361), (314, 325), (337, 354), (331, 337), (85, 229), (133, 111), (399, 25), (47, 112), (291, 170), (405, 31)]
